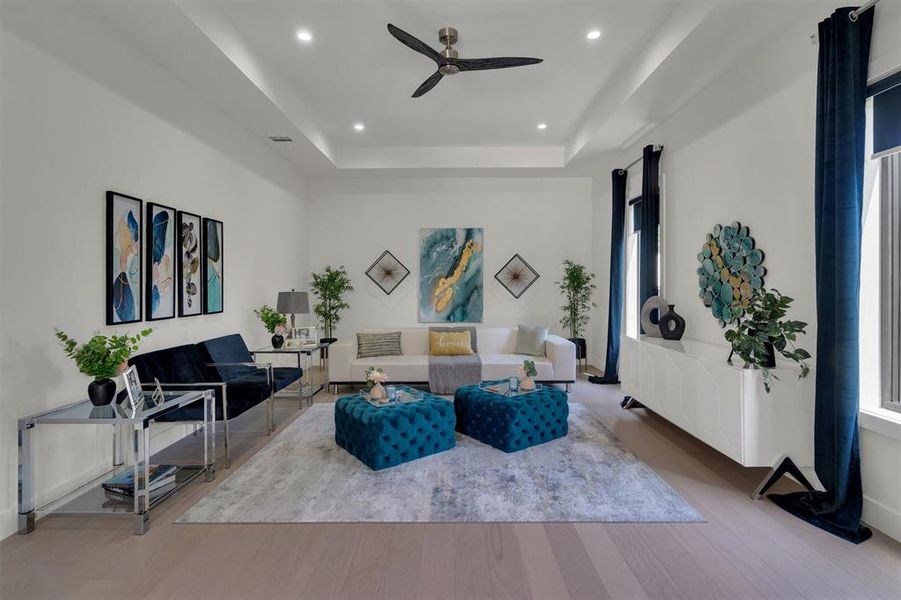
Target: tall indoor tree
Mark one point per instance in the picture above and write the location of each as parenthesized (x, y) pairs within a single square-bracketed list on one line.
[(330, 286)]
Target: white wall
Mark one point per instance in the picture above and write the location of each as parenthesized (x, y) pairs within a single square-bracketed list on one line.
[(743, 150), (544, 220), (78, 119)]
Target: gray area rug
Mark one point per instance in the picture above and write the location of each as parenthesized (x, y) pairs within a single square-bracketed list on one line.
[(302, 476)]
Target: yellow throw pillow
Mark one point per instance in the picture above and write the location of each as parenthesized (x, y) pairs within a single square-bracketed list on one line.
[(450, 343)]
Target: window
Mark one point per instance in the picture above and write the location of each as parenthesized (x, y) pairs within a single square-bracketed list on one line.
[(631, 302), (890, 279)]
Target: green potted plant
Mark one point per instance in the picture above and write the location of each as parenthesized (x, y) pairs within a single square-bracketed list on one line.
[(102, 358), (329, 286), (578, 289), (274, 322), (763, 331)]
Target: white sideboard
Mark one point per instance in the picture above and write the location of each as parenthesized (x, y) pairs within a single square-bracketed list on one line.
[(690, 384)]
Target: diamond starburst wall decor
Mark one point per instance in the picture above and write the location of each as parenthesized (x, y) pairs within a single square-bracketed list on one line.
[(517, 276), (387, 272)]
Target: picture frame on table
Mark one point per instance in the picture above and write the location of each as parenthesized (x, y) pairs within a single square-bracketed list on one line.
[(134, 393)]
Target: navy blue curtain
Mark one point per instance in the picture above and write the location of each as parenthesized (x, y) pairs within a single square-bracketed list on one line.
[(649, 209), (841, 122), (617, 274)]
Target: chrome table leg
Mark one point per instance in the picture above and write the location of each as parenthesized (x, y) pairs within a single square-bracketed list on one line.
[(26, 478)]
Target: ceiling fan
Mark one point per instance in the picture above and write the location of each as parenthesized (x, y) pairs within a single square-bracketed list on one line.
[(448, 60)]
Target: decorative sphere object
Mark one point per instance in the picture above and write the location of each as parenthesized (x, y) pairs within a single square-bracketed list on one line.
[(730, 270), (653, 303)]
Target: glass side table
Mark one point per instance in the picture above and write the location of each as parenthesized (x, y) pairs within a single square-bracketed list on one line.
[(131, 428), (308, 388)]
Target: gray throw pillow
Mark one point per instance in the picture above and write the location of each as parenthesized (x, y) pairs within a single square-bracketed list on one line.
[(471, 330), (530, 340), (378, 344)]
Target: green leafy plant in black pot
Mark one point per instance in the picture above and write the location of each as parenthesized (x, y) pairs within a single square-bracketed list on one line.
[(330, 286), (578, 288), (274, 322), (102, 358), (764, 330)]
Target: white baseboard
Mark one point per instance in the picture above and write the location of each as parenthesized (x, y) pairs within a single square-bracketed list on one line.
[(882, 517)]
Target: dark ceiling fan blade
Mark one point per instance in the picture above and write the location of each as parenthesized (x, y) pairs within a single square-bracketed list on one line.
[(501, 62), (415, 44), (428, 84)]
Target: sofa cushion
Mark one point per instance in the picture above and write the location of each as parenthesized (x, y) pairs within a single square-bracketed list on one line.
[(180, 364), (241, 396), (283, 376), (473, 335), (502, 366), (378, 344), (450, 343), (530, 340), (407, 368), (227, 349)]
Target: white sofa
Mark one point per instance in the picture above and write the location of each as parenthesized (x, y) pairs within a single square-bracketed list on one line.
[(495, 348)]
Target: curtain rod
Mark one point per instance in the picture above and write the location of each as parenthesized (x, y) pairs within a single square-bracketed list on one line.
[(862, 9), (657, 148)]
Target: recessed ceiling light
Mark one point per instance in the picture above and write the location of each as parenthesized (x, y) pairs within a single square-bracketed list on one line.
[(593, 34), (359, 126), (542, 126), (304, 36)]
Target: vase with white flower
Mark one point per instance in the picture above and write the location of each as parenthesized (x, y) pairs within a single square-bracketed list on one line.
[(375, 377), (527, 373)]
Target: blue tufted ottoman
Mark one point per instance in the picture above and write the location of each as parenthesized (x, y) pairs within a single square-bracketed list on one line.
[(386, 436), (512, 424)]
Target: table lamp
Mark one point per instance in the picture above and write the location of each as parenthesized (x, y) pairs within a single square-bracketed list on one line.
[(291, 303)]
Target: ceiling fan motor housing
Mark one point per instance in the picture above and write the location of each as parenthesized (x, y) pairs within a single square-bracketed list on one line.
[(448, 37)]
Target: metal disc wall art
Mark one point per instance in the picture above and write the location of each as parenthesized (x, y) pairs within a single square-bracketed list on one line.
[(517, 276), (729, 272), (387, 272)]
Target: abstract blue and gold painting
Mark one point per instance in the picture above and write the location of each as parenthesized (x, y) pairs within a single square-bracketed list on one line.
[(450, 275), (123, 259), (160, 296), (188, 226), (212, 266)]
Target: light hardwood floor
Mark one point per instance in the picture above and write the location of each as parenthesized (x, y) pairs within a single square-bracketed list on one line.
[(746, 549)]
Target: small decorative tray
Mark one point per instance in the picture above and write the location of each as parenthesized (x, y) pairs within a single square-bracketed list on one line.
[(502, 388), (403, 396)]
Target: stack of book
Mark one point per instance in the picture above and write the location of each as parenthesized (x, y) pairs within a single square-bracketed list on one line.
[(123, 485)]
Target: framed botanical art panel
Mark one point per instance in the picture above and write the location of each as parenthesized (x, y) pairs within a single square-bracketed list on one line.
[(214, 292), (123, 259), (160, 277), (189, 276), (450, 275)]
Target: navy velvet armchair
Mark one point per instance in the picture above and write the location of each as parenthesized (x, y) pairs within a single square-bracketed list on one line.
[(223, 364)]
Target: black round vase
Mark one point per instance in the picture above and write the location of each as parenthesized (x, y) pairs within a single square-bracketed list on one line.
[(672, 325), (768, 358), (101, 391), (277, 341)]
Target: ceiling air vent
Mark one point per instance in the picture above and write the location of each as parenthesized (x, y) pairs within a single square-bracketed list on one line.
[(280, 138)]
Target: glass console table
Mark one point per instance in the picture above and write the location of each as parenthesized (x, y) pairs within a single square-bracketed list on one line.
[(131, 428), (308, 387)]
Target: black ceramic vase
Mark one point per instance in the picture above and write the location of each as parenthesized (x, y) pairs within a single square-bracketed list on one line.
[(277, 341), (672, 325), (101, 391)]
